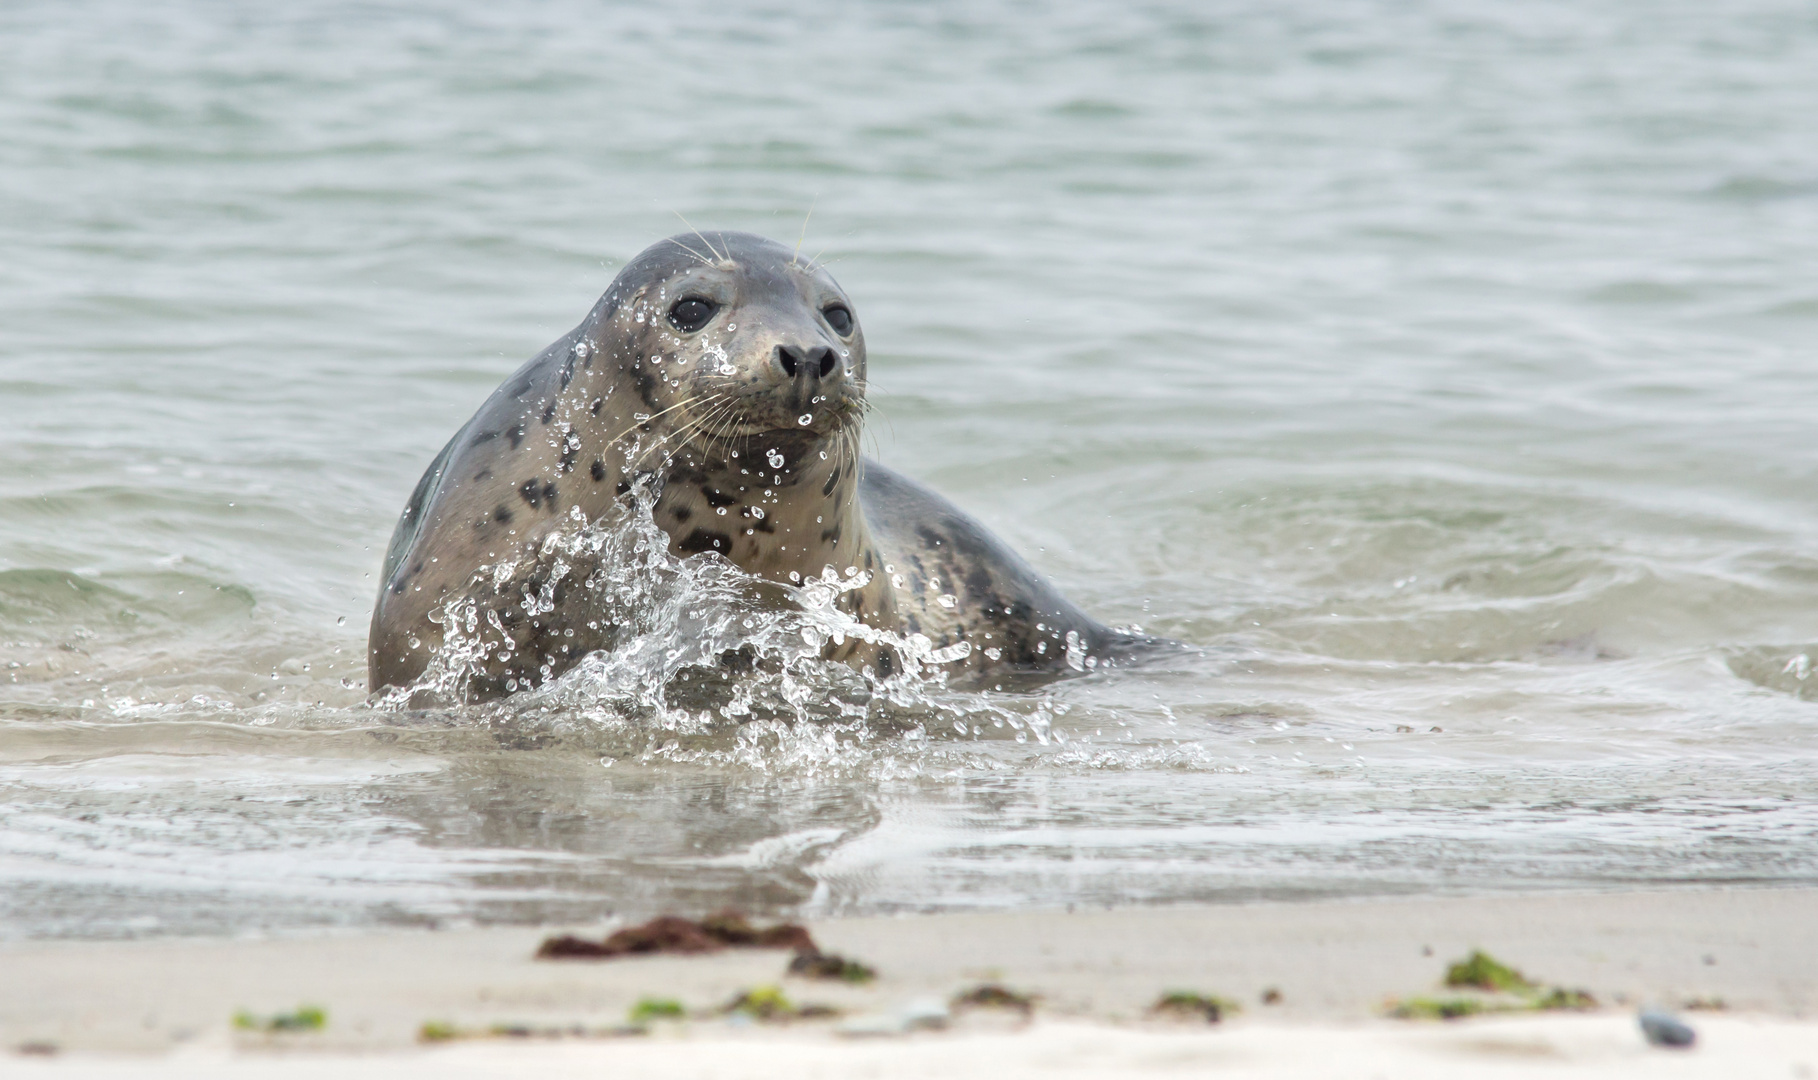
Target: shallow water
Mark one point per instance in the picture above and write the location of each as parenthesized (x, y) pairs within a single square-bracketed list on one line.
[(1443, 372)]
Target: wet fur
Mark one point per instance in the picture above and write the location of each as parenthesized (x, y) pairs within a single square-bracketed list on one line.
[(700, 421)]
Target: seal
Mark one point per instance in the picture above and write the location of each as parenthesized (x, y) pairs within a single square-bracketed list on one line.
[(722, 379)]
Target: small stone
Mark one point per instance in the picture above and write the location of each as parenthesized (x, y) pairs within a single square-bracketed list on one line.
[(1665, 1029)]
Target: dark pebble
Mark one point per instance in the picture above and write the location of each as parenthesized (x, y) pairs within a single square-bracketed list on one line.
[(1665, 1029)]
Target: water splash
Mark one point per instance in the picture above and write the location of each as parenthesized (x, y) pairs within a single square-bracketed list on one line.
[(697, 647)]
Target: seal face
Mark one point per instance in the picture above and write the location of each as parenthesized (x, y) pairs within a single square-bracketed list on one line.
[(724, 378)]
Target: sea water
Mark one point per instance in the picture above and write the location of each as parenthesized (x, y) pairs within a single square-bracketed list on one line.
[(1443, 373)]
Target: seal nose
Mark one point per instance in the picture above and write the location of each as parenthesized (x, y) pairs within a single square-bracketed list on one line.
[(817, 362)]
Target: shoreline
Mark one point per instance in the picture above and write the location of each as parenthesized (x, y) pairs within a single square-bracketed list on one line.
[(113, 1008)]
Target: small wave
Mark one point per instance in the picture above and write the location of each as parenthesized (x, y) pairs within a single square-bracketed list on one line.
[(1786, 669), (1750, 188)]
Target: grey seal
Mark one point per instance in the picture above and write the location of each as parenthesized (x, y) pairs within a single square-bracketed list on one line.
[(722, 377)]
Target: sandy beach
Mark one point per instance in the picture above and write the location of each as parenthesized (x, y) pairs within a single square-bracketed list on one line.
[(1742, 960)]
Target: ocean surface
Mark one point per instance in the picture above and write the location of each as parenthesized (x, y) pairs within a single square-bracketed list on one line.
[(1446, 373)]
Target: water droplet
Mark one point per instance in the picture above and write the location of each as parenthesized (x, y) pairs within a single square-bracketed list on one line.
[(342, 621), (757, 512), (775, 458), (805, 419), (721, 511)]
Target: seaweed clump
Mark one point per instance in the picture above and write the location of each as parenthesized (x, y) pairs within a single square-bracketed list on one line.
[(1188, 1005), (1484, 972), (994, 996), (769, 1004), (1421, 1008), (819, 965), (1481, 971), (1561, 999), (304, 1018), (674, 934), (649, 1008)]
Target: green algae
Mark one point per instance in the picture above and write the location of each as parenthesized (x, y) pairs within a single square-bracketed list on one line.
[(649, 1008), (437, 1031), (1482, 971), (768, 1004), (305, 1018), (1191, 1005), (1513, 992), (1422, 1008)]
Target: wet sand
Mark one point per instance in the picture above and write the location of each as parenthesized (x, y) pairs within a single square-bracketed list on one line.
[(164, 1008)]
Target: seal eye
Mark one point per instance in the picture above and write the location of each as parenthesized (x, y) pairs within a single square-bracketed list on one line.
[(691, 313), (838, 318)]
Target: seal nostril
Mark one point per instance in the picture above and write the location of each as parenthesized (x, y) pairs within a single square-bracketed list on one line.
[(818, 362)]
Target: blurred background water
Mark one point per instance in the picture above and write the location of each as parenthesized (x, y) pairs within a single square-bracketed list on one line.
[(1445, 369)]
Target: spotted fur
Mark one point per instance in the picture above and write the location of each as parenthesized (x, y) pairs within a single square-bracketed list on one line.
[(747, 458)]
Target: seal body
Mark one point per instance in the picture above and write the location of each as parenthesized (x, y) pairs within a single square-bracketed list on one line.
[(720, 379)]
